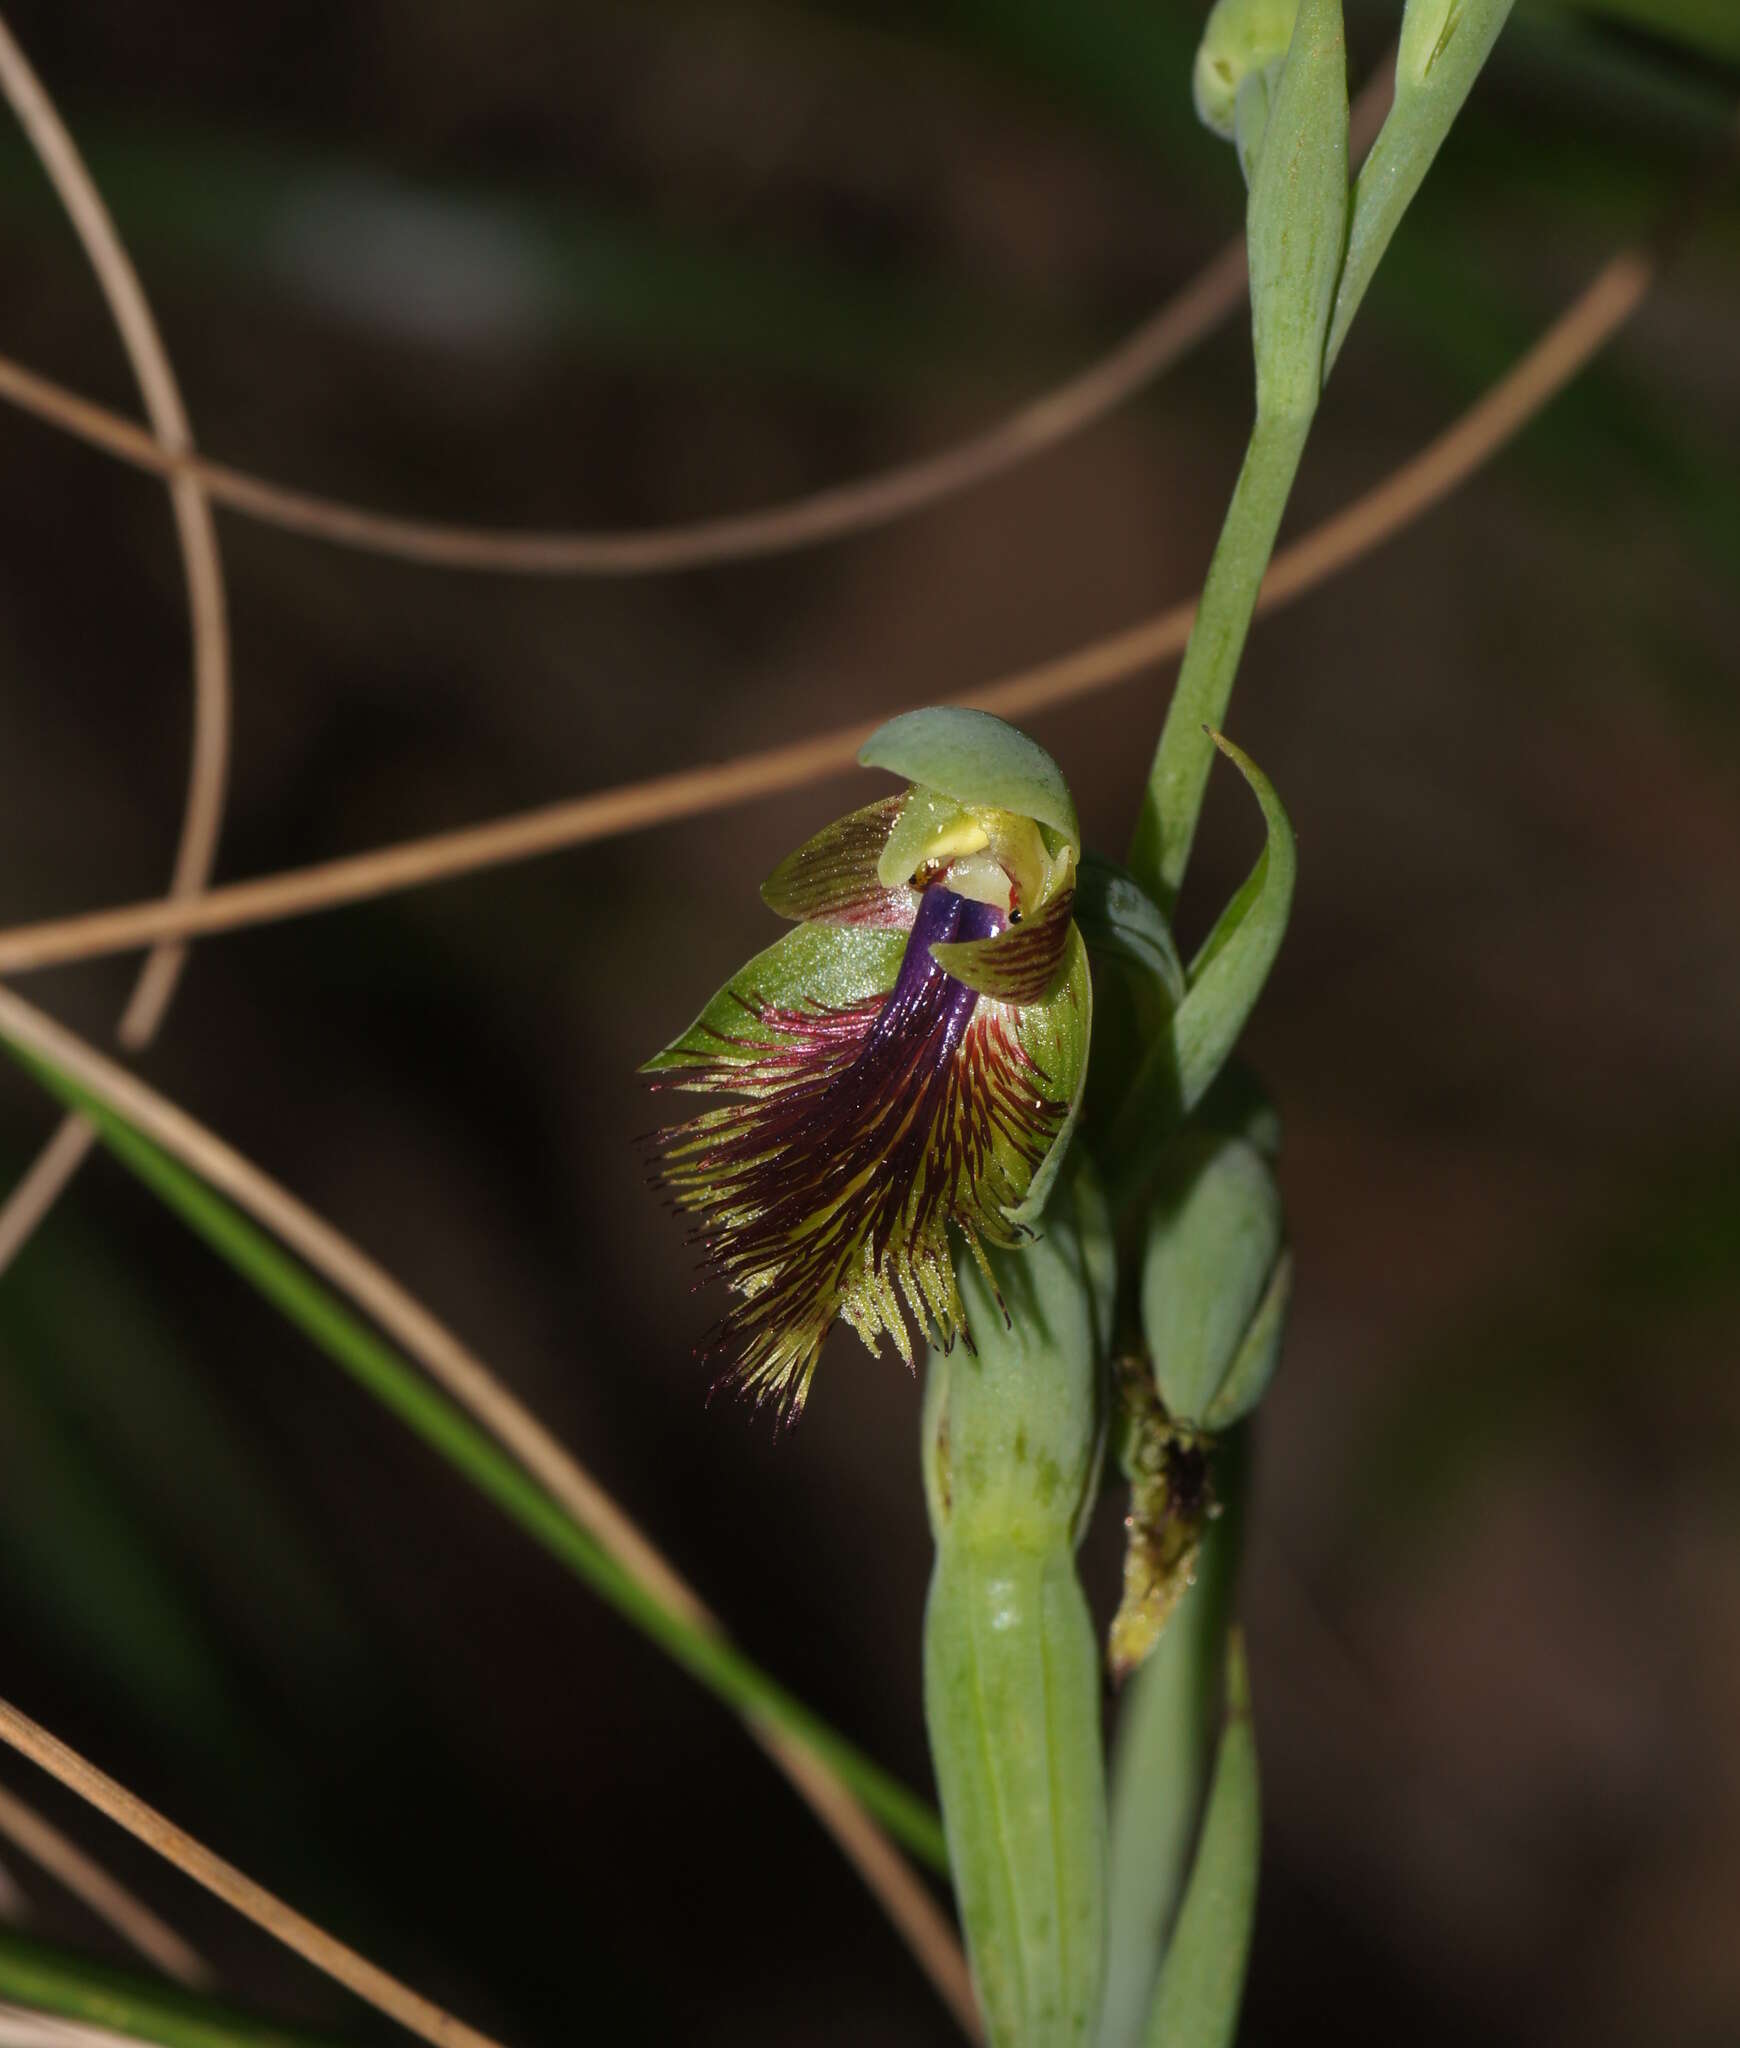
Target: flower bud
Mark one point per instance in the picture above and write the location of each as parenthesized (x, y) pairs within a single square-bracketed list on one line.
[(1296, 218), (1215, 1278), (1013, 1428)]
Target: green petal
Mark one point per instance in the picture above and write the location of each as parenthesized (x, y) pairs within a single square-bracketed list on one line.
[(925, 815), (976, 759), (1021, 964), (835, 876), (818, 965), (1054, 1035)]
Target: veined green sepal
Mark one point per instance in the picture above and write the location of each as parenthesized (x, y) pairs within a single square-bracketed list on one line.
[(1054, 1034), (815, 965)]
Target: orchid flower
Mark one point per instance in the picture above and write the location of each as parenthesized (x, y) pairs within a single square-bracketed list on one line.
[(901, 1070)]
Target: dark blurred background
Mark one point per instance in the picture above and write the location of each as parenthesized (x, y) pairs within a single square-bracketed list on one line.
[(566, 264)]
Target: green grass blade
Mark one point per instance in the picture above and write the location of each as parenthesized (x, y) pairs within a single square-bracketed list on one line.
[(400, 1388), (74, 1988), (1202, 1981), (1161, 1761), (1711, 27)]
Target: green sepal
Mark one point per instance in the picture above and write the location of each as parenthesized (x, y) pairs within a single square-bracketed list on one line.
[(976, 759), (1296, 218), (814, 964), (1225, 980), (1201, 1987), (1055, 1034)]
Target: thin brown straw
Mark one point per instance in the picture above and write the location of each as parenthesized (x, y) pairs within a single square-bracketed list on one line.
[(1410, 491), (104, 1895), (386, 1994), (202, 812), (469, 1380), (1193, 313), (1208, 299)]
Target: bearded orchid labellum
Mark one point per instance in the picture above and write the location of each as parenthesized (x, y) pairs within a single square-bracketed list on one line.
[(906, 1063)]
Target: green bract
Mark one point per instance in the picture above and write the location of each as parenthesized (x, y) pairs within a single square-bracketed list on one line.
[(906, 1064), (1443, 45), (1214, 1279), (1225, 979), (1196, 2002)]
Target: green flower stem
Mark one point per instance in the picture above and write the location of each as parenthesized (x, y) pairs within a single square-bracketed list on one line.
[(400, 1388), (74, 1988), (1013, 1436), (1012, 1701), (1178, 779)]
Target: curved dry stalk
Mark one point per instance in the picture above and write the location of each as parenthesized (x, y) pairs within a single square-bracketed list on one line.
[(202, 814), (105, 1896), (371, 1984), (1143, 355), (1338, 542), (464, 1375), (1208, 299)]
